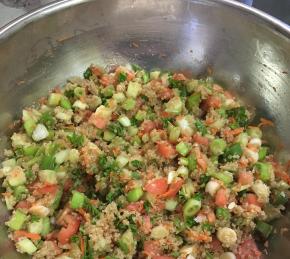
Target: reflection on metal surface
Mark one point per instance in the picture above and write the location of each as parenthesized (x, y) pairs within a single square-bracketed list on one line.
[(247, 50)]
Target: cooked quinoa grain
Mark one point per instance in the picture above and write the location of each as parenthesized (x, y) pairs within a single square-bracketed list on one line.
[(131, 164)]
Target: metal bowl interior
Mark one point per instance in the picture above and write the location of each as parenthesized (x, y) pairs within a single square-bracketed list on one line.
[(248, 52)]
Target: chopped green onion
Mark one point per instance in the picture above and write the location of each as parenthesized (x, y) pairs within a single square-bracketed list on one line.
[(263, 153), (217, 146), (223, 213), (135, 194), (264, 228), (171, 204), (65, 103), (265, 171), (191, 207), (17, 220), (182, 148), (77, 200), (129, 104)]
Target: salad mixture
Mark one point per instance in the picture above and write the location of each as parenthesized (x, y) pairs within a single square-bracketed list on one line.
[(132, 164)]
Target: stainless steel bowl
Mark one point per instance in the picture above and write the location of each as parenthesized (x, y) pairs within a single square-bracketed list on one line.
[(247, 50)]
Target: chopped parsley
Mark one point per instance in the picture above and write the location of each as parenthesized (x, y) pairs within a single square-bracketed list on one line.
[(117, 129), (240, 117), (77, 140), (88, 73), (122, 77), (47, 119), (200, 127)]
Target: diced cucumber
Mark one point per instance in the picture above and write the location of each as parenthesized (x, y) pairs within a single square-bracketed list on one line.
[(129, 104), (47, 176), (65, 103), (140, 115), (61, 156), (125, 121), (36, 226), (174, 106), (45, 226), (127, 242), (77, 200), (133, 89), (54, 99), (57, 200), (122, 160), (30, 150), (19, 192), (108, 135), (154, 75), (17, 220), (16, 176), (29, 126), (171, 204), (119, 97), (26, 246)]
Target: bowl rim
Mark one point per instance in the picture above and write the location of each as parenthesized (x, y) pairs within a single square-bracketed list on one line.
[(55, 6)]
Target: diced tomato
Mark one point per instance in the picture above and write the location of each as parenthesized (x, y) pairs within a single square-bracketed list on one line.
[(211, 217), (152, 248), (130, 75), (221, 197), (135, 206), (23, 205), (98, 121), (173, 189), (67, 232), (245, 178), (252, 199), (157, 187), (202, 163), (147, 126), (146, 224), (179, 77), (22, 233), (200, 139), (96, 71), (164, 114), (166, 93), (166, 150), (47, 189), (211, 102), (107, 80), (247, 250)]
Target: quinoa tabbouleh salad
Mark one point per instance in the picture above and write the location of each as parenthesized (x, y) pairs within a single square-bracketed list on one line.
[(132, 164)]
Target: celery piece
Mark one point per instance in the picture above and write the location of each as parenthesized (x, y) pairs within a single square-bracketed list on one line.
[(79, 91), (17, 220), (129, 104), (16, 176), (182, 148), (154, 75), (135, 194), (191, 207), (217, 146), (193, 101), (30, 150), (224, 176), (108, 91), (174, 106), (35, 226), (57, 199), (19, 192), (133, 90), (191, 162), (265, 171), (25, 245), (47, 176), (126, 242), (263, 153), (29, 126), (174, 133), (65, 103), (140, 115), (171, 204), (77, 200), (54, 99), (108, 135), (46, 228), (254, 132)]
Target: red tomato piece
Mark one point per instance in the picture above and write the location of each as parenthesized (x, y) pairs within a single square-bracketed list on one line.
[(245, 178), (46, 189), (252, 199), (221, 198), (147, 126), (152, 248), (166, 93), (67, 232), (166, 150), (98, 121), (200, 139), (173, 189), (136, 206), (157, 186)]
